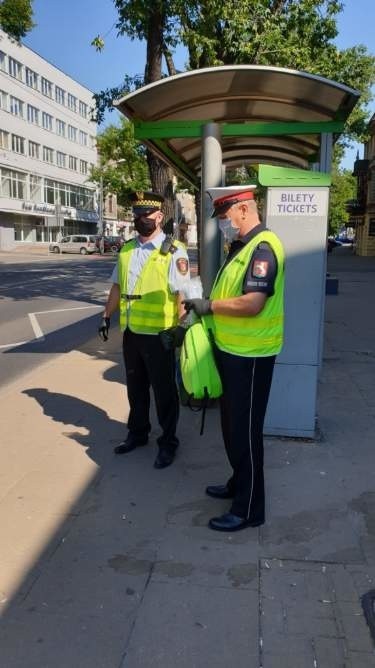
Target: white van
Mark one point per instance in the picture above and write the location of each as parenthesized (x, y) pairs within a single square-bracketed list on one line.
[(75, 243)]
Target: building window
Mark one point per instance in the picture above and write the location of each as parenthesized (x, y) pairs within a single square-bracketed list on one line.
[(60, 127), (72, 102), (59, 95), (35, 183), (68, 195), (92, 142), (13, 184), (15, 68), (110, 203), (46, 87), (47, 121), (83, 166), (47, 154), (32, 114), (16, 106), (371, 187), (83, 109), (18, 144), (72, 133), (73, 163), (3, 100), (83, 138), (34, 150), (4, 139), (60, 159), (31, 79), (3, 61)]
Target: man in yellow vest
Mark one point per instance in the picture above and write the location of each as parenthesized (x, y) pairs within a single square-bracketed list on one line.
[(146, 281), (245, 313)]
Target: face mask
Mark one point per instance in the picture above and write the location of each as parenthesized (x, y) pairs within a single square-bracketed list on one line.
[(145, 226), (230, 233)]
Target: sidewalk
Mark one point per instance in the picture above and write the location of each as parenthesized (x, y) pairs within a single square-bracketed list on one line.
[(106, 562)]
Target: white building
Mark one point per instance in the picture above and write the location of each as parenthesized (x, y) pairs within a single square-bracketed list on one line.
[(47, 144)]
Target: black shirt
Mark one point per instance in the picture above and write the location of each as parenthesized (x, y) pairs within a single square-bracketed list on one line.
[(261, 272)]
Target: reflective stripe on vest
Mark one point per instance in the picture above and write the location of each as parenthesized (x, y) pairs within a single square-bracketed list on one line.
[(250, 336), (157, 308)]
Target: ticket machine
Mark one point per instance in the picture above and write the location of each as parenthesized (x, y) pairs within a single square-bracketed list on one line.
[(296, 209)]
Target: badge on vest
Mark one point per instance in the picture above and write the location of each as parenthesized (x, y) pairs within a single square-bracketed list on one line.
[(182, 266), (260, 268)]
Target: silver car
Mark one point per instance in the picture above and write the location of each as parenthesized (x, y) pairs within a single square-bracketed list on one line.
[(75, 243)]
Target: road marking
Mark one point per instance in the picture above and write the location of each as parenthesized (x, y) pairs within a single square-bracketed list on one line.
[(36, 327), (72, 308), (39, 336), (14, 345)]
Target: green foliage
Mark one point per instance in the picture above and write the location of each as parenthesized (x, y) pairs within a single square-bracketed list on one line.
[(117, 143), (104, 99), (284, 33), (343, 188), (16, 17)]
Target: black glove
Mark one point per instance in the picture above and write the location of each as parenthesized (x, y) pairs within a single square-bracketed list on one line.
[(199, 306), (104, 327), (172, 337)]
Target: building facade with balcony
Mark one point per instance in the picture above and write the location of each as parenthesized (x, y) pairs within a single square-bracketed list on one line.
[(362, 209), (47, 146)]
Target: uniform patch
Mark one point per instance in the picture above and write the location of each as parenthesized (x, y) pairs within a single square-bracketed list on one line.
[(260, 268), (182, 266)]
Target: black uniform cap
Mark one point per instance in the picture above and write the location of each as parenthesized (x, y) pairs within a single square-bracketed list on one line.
[(146, 202)]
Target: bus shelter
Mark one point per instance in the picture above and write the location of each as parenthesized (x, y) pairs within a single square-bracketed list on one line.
[(201, 121)]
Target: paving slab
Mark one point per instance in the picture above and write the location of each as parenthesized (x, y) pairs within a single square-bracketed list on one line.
[(107, 562), (193, 627)]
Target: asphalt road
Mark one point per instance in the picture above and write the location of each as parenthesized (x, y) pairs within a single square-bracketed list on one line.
[(49, 305)]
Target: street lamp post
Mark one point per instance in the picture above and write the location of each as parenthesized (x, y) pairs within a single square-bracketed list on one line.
[(101, 217)]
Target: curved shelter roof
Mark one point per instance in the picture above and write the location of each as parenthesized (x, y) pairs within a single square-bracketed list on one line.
[(260, 110)]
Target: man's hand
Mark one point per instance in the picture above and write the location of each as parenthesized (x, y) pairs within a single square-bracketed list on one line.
[(104, 327), (199, 306)]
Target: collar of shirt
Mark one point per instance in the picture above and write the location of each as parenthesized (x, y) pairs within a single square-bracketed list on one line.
[(156, 242), (238, 244)]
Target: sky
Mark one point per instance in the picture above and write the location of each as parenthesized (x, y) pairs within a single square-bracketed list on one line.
[(64, 31)]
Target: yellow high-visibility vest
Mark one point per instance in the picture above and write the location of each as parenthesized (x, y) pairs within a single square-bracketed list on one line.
[(157, 308), (250, 336)]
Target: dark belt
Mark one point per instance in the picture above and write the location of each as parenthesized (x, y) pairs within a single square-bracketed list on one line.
[(131, 297)]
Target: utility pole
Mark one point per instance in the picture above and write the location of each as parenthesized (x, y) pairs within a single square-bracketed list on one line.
[(101, 218)]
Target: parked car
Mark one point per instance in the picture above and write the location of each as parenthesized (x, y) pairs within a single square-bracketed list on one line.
[(74, 243), (331, 244), (111, 244)]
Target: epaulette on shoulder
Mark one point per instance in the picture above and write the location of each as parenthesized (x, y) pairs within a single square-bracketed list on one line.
[(264, 245)]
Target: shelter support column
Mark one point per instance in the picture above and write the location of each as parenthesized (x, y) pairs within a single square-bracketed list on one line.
[(210, 248), (326, 143)]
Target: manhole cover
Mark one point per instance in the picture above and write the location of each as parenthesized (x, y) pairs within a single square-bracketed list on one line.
[(368, 605)]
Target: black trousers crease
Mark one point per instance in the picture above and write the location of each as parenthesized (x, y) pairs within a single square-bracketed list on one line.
[(149, 365), (246, 387)]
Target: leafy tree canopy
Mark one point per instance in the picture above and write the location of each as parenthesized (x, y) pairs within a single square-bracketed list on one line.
[(343, 188), (16, 17), (284, 33), (123, 165)]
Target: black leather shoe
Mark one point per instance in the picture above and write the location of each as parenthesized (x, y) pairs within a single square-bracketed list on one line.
[(130, 443), (164, 459), (219, 492), (230, 522)]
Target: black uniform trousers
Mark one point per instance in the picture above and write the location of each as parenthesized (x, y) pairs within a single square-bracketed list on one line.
[(148, 364), (246, 386)]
